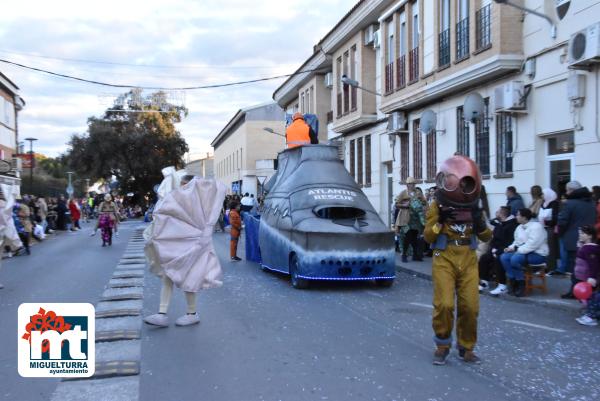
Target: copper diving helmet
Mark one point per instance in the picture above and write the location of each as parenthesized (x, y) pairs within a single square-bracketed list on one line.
[(459, 182)]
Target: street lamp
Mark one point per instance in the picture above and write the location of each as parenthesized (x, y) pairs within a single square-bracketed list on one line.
[(31, 162), (530, 11), (270, 130), (70, 190), (354, 83)]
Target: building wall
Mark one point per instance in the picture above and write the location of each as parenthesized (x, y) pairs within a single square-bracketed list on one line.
[(321, 102), (201, 167), (235, 157), (7, 124)]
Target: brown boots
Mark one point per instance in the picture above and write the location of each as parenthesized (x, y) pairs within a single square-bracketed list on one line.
[(441, 354)]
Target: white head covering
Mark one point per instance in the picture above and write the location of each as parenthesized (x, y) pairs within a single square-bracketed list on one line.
[(549, 196)]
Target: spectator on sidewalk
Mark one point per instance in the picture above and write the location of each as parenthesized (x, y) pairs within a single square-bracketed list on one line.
[(409, 219), (537, 199), (596, 198), (513, 200), (587, 260), (61, 214), (22, 220), (548, 216), (247, 203), (529, 247), (505, 225), (52, 216), (42, 212), (578, 210)]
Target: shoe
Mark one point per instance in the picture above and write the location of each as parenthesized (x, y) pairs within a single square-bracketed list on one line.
[(93, 233), (584, 320), (1, 286), (468, 356), (440, 355), (158, 319), (27, 251), (483, 285), (9, 254), (568, 295), (500, 289), (117, 234), (511, 287), (404, 259), (556, 274), (235, 259), (519, 289), (187, 320)]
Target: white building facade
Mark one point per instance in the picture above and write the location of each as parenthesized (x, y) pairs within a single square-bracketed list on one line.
[(541, 106), (254, 134)]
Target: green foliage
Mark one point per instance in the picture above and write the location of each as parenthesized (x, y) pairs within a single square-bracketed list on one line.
[(132, 146), (54, 166)]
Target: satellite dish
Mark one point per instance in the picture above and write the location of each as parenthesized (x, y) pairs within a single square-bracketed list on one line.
[(428, 121), (474, 107)]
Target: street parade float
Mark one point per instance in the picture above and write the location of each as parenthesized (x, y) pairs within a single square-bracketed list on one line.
[(317, 224)]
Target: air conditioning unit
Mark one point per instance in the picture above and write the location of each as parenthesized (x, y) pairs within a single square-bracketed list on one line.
[(16, 164), (328, 80), (576, 86), (377, 39), (397, 121), (370, 34), (510, 96), (584, 46)]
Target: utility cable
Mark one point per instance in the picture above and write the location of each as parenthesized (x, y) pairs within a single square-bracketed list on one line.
[(76, 60), (156, 87)]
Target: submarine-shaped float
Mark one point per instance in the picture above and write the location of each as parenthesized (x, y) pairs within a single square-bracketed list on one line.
[(317, 224)]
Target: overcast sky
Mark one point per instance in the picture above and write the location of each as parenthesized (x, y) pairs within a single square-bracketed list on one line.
[(196, 42)]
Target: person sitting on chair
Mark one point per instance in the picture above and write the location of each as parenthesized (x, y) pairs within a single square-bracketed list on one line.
[(530, 247)]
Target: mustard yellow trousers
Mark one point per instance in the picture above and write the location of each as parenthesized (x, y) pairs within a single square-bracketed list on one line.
[(455, 280)]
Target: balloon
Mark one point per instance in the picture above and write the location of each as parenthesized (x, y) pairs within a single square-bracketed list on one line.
[(582, 291)]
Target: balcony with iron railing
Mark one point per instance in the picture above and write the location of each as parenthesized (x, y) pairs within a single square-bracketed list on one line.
[(389, 78), (474, 50), (401, 72), (444, 49), (483, 29), (413, 65), (462, 39)]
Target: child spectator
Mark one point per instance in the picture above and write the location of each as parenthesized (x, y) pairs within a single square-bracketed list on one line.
[(236, 228), (587, 268)]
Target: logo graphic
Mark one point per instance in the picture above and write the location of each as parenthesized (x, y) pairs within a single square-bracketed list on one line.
[(56, 340)]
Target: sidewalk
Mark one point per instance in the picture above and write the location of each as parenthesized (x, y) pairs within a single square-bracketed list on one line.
[(555, 286)]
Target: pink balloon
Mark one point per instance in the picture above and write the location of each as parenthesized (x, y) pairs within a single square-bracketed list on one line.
[(582, 291)]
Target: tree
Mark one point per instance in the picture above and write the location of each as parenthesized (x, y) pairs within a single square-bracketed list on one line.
[(133, 141)]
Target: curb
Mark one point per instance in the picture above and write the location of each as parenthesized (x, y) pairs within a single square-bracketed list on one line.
[(523, 300)]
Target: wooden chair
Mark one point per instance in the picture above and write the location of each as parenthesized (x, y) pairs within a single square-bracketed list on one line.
[(533, 272)]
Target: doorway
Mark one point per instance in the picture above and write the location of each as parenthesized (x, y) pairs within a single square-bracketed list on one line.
[(560, 157), (388, 187)]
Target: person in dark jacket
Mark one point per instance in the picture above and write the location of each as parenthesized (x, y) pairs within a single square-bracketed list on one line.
[(578, 210), (505, 225), (513, 200), (61, 210)]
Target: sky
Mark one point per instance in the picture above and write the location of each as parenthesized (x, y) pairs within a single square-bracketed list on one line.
[(176, 43)]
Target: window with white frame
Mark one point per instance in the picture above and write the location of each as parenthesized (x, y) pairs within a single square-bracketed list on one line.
[(415, 27)]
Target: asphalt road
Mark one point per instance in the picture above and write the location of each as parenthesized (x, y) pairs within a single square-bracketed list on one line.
[(67, 267), (260, 339)]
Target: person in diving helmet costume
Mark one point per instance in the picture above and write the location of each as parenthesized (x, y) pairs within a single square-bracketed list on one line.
[(454, 223)]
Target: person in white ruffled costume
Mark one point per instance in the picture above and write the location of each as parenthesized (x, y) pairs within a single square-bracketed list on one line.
[(179, 245), (8, 232)]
